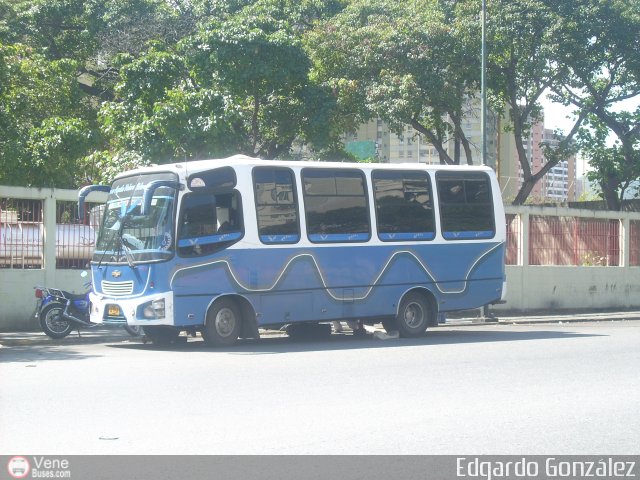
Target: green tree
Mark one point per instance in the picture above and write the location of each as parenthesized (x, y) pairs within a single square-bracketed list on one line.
[(611, 168), (56, 150), (159, 113), (240, 85), (408, 63), (522, 67), (599, 43), (46, 124), (256, 59), (58, 74), (95, 32)]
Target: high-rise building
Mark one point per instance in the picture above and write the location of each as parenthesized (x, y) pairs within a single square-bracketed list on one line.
[(558, 185), (411, 146), (375, 140)]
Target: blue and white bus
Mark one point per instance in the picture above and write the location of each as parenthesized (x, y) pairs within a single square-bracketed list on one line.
[(227, 247)]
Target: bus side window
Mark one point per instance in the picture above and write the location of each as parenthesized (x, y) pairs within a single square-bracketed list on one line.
[(466, 207), (404, 205), (227, 213), (208, 223), (276, 205), (336, 206)]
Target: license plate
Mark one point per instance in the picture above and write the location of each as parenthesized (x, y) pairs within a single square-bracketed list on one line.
[(113, 311)]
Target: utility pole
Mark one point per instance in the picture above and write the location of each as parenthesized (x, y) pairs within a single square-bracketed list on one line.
[(483, 84), (486, 314)]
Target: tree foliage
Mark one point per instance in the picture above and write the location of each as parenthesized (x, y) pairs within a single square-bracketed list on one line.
[(88, 87), (522, 67), (46, 124), (159, 114), (409, 63), (612, 169), (599, 44)]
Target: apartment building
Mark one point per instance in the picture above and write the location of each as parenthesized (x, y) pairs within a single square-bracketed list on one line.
[(375, 140)]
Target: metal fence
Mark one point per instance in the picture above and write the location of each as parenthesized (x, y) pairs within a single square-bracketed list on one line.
[(634, 243), (551, 236), (535, 235), (75, 236), (23, 235), (574, 241)]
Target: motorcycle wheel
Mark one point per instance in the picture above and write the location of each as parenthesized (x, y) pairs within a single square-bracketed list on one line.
[(133, 330), (52, 322)]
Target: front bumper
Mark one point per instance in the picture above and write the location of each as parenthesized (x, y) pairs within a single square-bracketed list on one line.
[(130, 309)]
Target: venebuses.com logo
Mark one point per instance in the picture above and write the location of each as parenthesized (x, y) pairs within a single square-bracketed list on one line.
[(39, 467), (18, 467)]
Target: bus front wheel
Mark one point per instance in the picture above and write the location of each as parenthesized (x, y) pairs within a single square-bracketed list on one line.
[(223, 323), (161, 335), (413, 315)]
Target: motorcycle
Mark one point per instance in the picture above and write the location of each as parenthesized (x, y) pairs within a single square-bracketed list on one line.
[(60, 312)]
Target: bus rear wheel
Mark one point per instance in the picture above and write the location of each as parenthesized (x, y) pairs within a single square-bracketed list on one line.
[(414, 315), (223, 323)]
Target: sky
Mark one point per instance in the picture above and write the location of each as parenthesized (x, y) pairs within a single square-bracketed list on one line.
[(557, 116)]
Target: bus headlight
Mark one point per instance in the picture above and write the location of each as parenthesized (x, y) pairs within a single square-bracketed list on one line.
[(154, 309)]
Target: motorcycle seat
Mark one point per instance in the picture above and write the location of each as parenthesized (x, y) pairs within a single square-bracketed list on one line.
[(77, 296)]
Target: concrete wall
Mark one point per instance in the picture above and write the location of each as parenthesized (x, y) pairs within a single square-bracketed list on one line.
[(17, 294), (536, 287)]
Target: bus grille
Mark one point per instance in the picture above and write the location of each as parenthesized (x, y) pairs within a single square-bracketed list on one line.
[(117, 289)]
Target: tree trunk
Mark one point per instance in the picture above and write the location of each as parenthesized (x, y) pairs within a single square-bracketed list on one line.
[(456, 149), (255, 132), (445, 159), (610, 193), (467, 151), (525, 190)]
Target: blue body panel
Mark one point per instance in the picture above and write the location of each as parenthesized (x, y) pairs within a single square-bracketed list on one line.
[(286, 285), (320, 284)]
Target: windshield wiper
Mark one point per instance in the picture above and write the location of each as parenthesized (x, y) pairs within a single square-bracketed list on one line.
[(123, 243), (127, 251), (123, 219)]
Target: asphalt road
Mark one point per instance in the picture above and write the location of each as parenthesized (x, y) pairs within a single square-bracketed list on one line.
[(522, 389)]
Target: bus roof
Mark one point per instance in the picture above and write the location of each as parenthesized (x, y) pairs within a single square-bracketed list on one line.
[(196, 166)]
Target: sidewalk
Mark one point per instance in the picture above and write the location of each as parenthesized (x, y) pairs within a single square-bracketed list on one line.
[(93, 335), (554, 317), (105, 335)]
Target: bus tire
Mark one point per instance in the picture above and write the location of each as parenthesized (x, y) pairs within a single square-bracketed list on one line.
[(390, 324), (133, 330), (414, 315), (161, 334), (223, 323)]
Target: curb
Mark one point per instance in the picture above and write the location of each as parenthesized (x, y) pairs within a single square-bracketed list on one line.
[(551, 319), (39, 339)]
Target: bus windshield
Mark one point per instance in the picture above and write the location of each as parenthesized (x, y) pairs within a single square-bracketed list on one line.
[(126, 236)]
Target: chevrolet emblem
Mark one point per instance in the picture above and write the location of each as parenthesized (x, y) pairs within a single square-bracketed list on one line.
[(116, 274)]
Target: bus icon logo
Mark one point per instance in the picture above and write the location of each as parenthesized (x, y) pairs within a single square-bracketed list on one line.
[(18, 467)]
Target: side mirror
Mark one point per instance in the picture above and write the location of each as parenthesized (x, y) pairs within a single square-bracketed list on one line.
[(84, 191), (151, 187)]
